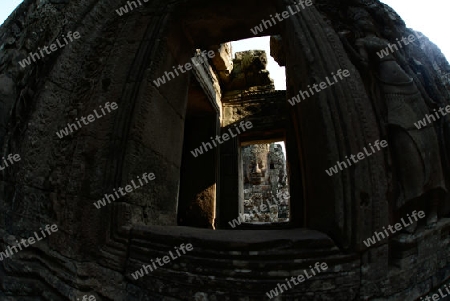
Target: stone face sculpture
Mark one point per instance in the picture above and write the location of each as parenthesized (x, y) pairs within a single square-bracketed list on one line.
[(119, 57), (415, 152), (265, 183), (256, 163)]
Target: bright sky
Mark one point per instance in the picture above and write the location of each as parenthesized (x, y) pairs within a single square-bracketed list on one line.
[(430, 18), (7, 7)]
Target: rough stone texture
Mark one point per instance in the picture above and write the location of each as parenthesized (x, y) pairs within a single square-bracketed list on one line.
[(223, 62), (249, 70), (277, 51), (118, 58), (265, 182)]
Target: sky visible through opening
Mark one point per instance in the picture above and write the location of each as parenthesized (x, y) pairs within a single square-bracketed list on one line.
[(6, 8), (277, 73), (428, 17)]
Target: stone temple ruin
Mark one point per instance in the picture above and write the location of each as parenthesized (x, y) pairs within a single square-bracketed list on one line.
[(265, 182), (165, 198)]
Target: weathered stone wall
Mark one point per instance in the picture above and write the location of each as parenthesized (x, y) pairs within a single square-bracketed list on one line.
[(117, 59), (58, 180)]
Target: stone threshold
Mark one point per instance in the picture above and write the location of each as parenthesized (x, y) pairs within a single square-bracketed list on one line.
[(298, 241)]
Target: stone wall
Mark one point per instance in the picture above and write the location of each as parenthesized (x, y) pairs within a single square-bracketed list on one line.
[(117, 60)]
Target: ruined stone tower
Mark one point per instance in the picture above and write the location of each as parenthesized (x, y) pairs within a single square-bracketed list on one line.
[(123, 125)]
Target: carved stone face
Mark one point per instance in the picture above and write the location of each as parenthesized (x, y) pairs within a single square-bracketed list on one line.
[(257, 171), (265, 187), (255, 163)]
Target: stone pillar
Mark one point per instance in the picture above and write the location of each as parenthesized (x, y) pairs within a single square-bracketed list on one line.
[(343, 112)]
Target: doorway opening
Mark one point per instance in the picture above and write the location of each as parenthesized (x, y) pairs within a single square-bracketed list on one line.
[(265, 195), (198, 172)]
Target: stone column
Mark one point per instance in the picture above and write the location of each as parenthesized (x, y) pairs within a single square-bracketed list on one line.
[(342, 111)]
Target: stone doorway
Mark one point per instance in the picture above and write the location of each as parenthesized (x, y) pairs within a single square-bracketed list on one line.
[(198, 173), (265, 184)]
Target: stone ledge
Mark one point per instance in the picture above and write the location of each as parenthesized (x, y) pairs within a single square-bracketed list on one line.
[(236, 240)]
